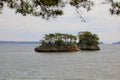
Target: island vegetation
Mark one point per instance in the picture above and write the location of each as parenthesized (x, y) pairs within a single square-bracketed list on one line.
[(59, 39), (88, 41), (59, 42)]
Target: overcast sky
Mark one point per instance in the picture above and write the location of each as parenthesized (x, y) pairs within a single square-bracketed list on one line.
[(15, 27)]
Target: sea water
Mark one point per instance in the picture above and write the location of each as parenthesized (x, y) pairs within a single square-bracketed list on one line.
[(20, 62)]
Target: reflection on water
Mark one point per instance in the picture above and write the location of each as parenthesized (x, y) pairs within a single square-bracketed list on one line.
[(20, 62)]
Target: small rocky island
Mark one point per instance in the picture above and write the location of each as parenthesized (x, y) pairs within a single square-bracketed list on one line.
[(59, 42)]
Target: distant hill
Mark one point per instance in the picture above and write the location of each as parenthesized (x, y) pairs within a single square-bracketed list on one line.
[(19, 42), (116, 42), (101, 43)]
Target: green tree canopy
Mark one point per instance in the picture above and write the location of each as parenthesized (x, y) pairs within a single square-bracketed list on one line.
[(52, 8), (59, 38), (87, 38)]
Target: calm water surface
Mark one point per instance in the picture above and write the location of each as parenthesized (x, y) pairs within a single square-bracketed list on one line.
[(20, 62)]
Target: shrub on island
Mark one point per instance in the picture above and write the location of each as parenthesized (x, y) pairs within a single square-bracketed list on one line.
[(88, 41)]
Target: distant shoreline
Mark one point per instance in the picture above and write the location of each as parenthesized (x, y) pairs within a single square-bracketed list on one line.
[(116, 42), (32, 42), (19, 42)]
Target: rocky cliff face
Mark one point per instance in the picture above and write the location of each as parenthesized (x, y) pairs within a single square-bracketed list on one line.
[(65, 48), (89, 47), (56, 48)]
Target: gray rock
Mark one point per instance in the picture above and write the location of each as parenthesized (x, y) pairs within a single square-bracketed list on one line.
[(89, 47)]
